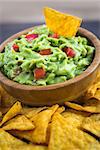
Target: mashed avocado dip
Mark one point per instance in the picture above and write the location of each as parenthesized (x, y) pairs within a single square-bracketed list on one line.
[(42, 58)]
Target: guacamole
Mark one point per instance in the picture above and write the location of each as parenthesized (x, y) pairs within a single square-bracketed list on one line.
[(42, 57)]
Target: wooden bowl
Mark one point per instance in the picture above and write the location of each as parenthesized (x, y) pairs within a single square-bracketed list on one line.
[(56, 93)]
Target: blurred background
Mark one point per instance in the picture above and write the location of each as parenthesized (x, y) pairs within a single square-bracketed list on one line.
[(16, 15)]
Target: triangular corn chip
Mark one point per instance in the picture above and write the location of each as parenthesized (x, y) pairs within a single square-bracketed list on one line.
[(74, 106), (8, 142), (27, 135), (92, 124), (41, 122), (91, 105), (62, 24), (30, 114), (48, 133), (19, 123), (73, 117), (14, 110), (6, 99), (60, 109), (97, 95), (63, 136), (92, 90)]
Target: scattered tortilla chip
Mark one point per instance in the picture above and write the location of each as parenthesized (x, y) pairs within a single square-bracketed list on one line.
[(63, 136), (92, 124), (60, 23), (37, 147), (92, 90), (60, 109), (26, 110), (91, 105), (6, 99), (8, 142), (27, 135), (34, 111), (48, 133), (41, 122), (19, 123), (74, 117), (14, 110), (53, 108), (97, 94), (74, 106)]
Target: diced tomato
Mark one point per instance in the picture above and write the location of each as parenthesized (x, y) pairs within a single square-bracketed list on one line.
[(55, 35), (45, 51), (39, 73), (31, 37), (69, 51), (15, 47)]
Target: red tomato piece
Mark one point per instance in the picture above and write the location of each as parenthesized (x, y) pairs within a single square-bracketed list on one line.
[(31, 37), (39, 73), (55, 35), (69, 51), (45, 51), (15, 47)]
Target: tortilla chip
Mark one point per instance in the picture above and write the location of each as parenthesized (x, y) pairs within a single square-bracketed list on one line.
[(62, 24), (37, 147), (30, 114), (60, 109), (8, 142), (6, 99), (53, 108), (26, 110), (48, 133), (97, 94), (74, 117), (14, 110), (92, 124), (63, 136), (91, 105), (74, 106), (19, 123), (41, 122), (27, 135), (92, 90)]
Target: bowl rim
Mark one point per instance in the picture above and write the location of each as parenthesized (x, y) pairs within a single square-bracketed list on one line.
[(91, 68)]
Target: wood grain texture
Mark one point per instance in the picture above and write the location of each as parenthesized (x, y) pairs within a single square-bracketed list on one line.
[(56, 93)]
